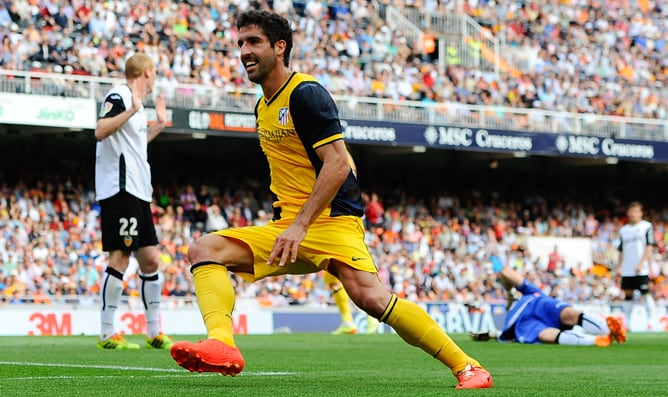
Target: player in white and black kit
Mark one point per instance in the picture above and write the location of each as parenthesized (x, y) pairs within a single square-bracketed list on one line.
[(636, 246), (123, 188)]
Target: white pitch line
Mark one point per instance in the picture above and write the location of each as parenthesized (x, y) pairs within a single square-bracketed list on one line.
[(116, 367), (122, 368), (99, 377)]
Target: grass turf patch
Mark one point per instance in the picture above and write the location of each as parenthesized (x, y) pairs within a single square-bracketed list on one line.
[(327, 365)]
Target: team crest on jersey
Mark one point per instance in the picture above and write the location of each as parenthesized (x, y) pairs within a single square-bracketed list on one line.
[(106, 108), (283, 116), (127, 240)]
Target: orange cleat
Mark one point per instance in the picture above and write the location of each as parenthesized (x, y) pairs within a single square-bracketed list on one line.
[(473, 377), (210, 355), (616, 329), (603, 340)]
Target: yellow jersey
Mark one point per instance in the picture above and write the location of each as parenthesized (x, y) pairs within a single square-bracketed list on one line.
[(299, 118)]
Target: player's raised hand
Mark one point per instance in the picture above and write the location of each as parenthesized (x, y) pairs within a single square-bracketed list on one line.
[(286, 245), (161, 109)]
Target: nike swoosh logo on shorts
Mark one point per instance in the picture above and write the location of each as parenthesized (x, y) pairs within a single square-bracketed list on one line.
[(355, 259)]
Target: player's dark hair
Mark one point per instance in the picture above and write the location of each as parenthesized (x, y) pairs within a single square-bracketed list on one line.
[(274, 26), (635, 204)]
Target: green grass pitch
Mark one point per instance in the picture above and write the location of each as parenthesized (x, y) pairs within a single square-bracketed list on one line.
[(325, 365)]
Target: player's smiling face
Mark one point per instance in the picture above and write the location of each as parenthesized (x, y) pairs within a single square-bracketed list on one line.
[(257, 55)]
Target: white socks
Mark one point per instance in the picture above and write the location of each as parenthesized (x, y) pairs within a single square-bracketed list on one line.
[(594, 324), (151, 291), (110, 294), (573, 338)]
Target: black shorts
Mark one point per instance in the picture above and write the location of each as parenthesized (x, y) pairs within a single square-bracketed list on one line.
[(641, 283), (127, 223)]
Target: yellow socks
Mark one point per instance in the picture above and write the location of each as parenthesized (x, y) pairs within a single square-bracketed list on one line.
[(417, 328), (341, 298), (343, 303), (215, 295)]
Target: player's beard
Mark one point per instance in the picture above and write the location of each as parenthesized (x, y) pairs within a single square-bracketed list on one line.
[(262, 70)]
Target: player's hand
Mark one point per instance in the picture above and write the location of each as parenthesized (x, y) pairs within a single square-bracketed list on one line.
[(137, 95), (639, 268), (286, 245), (161, 109)]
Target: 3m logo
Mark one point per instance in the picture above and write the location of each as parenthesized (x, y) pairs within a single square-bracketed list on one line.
[(48, 324), (240, 326), (134, 323)]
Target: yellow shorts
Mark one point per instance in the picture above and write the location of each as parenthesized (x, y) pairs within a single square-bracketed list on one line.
[(340, 238)]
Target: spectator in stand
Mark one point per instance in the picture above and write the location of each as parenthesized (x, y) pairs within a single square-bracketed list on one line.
[(374, 211), (399, 260), (614, 54), (215, 219)]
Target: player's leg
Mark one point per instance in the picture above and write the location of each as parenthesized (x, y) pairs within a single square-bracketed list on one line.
[(148, 257), (151, 294), (119, 218), (412, 324), (110, 296), (216, 297), (342, 302), (645, 294), (572, 338), (592, 324), (243, 251)]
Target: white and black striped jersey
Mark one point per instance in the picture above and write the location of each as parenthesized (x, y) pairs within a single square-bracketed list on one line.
[(121, 161)]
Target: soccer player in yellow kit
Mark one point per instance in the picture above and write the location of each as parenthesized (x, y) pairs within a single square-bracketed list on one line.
[(317, 221)]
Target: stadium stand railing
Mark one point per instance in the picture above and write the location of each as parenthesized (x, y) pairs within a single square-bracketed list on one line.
[(473, 45), (360, 108)]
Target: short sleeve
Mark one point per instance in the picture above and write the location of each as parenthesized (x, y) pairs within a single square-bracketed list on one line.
[(315, 115), (112, 105)]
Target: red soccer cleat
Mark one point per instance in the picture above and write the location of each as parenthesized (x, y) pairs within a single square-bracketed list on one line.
[(616, 329), (210, 355), (473, 377)]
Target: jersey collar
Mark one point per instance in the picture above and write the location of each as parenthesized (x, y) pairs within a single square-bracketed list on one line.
[(278, 92)]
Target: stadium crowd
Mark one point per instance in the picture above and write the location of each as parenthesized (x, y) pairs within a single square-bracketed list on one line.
[(585, 56), (447, 248)]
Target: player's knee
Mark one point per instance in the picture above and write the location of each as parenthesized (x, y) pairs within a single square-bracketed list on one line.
[(152, 265), (372, 304), (569, 316), (198, 251), (119, 260)]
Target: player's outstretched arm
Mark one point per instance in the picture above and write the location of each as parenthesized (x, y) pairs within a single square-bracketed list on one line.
[(109, 125), (511, 278)]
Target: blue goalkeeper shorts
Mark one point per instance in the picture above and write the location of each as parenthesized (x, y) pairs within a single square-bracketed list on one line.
[(540, 312)]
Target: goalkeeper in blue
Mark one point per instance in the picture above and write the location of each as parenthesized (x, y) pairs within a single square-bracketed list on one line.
[(537, 318)]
